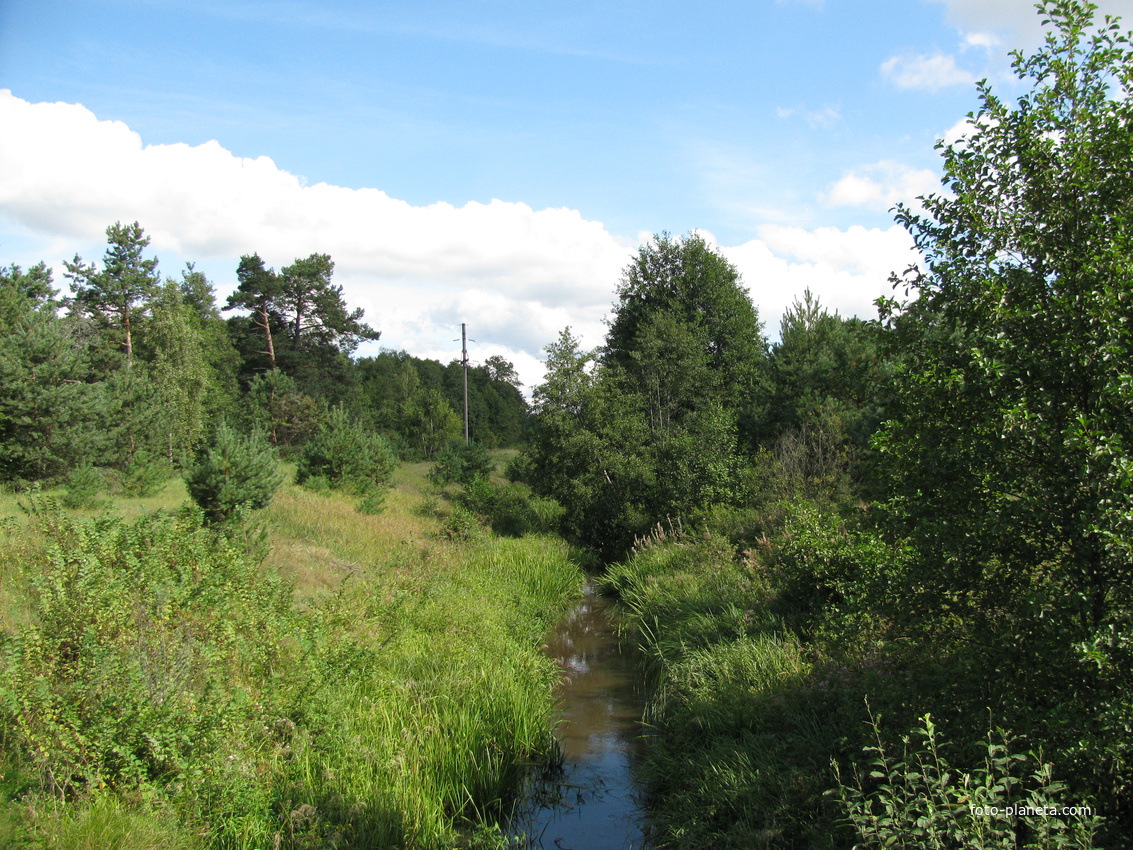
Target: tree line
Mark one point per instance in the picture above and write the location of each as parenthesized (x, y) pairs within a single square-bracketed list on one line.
[(132, 373)]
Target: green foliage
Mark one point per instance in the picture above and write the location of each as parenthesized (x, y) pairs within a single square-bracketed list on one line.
[(461, 524), (84, 487), (180, 371), (275, 404), (233, 474), (420, 401), (510, 509), (346, 455), (164, 689), (826, 395), (461, 463), (117, 296), (144, 475), (128, 674), (1007, 457), (653, 427), (741, 741), (46, 404), (919, 801), (372, 503), (682, 291)]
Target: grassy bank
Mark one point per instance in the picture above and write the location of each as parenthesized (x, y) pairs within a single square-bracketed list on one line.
[(790, 713), (371, 683)]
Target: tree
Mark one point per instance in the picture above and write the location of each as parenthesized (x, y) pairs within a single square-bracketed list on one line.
[(45, 398), (180, 372), (653, 430), (346, 455), (1010, 448), (233, 473), (826, 383), (314, 309), (696, 294), (258, 289), (117, 294), (36, 283)]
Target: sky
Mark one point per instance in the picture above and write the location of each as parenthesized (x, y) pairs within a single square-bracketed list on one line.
[(495, 162)]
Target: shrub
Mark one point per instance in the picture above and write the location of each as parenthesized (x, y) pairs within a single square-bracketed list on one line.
[(144, 475), (461, 524), (461, 463), (347, 455), (511, 509), (233, 474), (920, 801), (84, 486), (150, 647)]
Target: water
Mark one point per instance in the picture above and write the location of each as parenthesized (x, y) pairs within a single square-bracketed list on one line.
[(591, 804)]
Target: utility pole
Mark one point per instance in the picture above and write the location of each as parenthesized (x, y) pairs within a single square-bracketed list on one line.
[(464, 362)]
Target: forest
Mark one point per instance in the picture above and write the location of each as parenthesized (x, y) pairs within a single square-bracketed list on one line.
[(878, 570)]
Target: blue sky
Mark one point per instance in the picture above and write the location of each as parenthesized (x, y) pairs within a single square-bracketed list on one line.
[(491, 162)]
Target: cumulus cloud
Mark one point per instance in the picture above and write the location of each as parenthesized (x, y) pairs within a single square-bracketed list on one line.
[(415, 269), (846, 269), (516, 275), (881, 185), (932, 73)]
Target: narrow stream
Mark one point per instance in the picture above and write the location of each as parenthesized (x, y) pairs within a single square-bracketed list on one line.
[(592, 803)]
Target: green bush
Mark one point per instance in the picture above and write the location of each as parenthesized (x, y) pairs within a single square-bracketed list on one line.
[(347, 455), (233, 474), (919, 801), (83, 488), (511, 509), (144, 475), (147, 660), (461, 463), (461, 524)]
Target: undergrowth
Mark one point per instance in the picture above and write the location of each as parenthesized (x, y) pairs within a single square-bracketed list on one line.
[(160, 688)]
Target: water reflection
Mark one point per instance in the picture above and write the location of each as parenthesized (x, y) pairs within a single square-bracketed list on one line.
[(590, 803)]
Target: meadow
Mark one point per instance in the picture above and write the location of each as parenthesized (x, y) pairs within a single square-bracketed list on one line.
[(325, 678)]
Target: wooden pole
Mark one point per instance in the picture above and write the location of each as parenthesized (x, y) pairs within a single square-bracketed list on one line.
[(464, 361)]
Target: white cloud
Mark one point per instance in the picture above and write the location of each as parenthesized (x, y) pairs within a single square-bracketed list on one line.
[(846, 269), (516, 275), (932, 73), (881, 185), (982, 40), (520, 274), (1016, 22), (817, 119)]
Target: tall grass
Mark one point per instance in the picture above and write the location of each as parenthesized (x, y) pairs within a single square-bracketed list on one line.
[(741, 752), (372, 684)]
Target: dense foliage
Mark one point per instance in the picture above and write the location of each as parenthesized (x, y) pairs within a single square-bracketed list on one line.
[(930, 512)]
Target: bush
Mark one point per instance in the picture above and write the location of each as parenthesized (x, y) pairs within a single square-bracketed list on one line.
[(84, 486), (144, 475), (511, 509), (347, 456), (146, 660), (920, 801), (461, 463), (233, 474)]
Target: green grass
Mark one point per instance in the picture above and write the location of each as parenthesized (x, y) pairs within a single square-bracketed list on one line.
[(742, 746), (388, 698)]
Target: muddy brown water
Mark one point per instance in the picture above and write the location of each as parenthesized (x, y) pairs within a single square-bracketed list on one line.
[(593, 802)]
